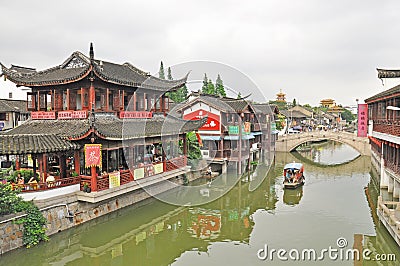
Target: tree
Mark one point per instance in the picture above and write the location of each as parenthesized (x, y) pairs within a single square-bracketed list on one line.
[(169, 74), (180, 94), (219, 87), (347, 115), (204, 88), (161, 73), (294, 102), (239, 96), (210, 88)]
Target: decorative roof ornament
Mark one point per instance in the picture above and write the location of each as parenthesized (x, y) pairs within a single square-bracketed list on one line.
[(91, 53)]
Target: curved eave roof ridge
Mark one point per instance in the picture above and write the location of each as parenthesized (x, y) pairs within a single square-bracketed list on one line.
[(106, 78), (135, 69), (77, 54)]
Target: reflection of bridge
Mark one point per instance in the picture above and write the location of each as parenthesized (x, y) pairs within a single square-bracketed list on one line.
[(289, 142), (361, 164)]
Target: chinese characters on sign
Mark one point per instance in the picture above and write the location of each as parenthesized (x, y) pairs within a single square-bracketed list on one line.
[(92, 155), (362, 120), (114, 179), (213, 120)]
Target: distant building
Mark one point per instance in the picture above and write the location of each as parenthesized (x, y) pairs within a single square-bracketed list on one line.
[(327, 103), (12, 113), (281, 97)]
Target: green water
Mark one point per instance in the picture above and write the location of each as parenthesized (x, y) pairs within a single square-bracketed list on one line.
[(336, 202)]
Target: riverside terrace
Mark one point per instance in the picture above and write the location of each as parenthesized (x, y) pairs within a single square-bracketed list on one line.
[(105, 126)]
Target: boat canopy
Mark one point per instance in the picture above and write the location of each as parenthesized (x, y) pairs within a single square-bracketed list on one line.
[(293, 166)]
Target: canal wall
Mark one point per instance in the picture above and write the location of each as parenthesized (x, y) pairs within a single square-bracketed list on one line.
[(66, 211)]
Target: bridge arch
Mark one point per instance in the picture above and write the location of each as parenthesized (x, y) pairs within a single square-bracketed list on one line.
[(290, 142)]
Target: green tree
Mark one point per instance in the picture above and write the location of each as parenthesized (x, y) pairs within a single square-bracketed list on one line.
[(10, 201), (169, 74), (204, 88), (239, 96), (347, 115), (180, 94), (161, 73), (294, 102), (219, 87)]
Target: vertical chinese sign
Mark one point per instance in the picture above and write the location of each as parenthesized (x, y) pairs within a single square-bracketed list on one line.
[(92, 155), (362, 128)]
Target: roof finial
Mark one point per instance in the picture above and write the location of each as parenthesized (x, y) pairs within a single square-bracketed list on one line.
[(91, 53)]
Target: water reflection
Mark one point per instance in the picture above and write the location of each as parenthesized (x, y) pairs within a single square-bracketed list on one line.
[(328, 152), (292, 197), (336, 201)]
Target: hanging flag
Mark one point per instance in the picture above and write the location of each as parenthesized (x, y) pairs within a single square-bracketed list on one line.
[(92, 155), (199, 139)]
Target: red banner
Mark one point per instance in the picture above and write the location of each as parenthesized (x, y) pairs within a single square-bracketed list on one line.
[(362, 112), (43, 115), (213, 120), (80, 114), (92, 155)]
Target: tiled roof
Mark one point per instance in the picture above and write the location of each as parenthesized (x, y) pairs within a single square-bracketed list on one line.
[(386, 73), (108, 126), (227, 105), (34, 143), (265, 108), (17, 106), (115, 128), (66, 128), (78, 66), (386, 93)]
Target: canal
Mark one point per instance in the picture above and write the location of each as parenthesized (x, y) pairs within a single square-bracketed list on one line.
[(334, 210)]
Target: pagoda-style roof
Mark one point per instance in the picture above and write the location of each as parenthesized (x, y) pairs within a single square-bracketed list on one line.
[(34, 143), (384, 94), (387, 73), (78, 66), (265, 108)]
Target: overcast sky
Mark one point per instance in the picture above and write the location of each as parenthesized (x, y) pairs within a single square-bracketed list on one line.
[(311, 49)]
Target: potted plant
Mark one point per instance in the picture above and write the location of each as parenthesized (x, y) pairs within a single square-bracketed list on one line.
[(86, 187)]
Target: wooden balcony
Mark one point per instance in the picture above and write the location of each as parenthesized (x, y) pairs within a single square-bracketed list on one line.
[(391, 127)]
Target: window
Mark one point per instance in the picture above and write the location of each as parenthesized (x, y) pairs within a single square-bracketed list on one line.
[(3, 116)]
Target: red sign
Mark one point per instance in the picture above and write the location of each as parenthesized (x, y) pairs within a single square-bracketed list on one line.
[(92, 155), (43, 115), (82, 114), (135, 114), (213, 121), (362, 129)]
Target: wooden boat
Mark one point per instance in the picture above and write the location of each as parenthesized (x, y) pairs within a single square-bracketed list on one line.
[(293, 175)]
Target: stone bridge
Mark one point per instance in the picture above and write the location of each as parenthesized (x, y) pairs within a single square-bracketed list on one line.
[(289, 142)]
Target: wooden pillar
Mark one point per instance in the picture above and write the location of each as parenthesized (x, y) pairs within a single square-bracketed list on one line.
[(40, 165), (107, 100), (134, 102), (93, 179), (63, 166), (44, 167), (77, 162), (17, 163), (38, 101), (92, 97), (144, 102), (34, 164), (68, 98)]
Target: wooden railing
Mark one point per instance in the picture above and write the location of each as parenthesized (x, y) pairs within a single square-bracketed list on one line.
[(126, 176), (63, 182), (391, 127)]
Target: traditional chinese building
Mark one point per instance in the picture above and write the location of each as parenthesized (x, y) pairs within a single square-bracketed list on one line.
[(384, 133), (281, 97), (95, 122), (232, 132)]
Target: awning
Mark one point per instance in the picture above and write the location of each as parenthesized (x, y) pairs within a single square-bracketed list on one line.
[(210, 137), (256, 133), (235, 137)]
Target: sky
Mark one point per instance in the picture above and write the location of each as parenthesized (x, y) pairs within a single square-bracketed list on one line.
[(309, 49)]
